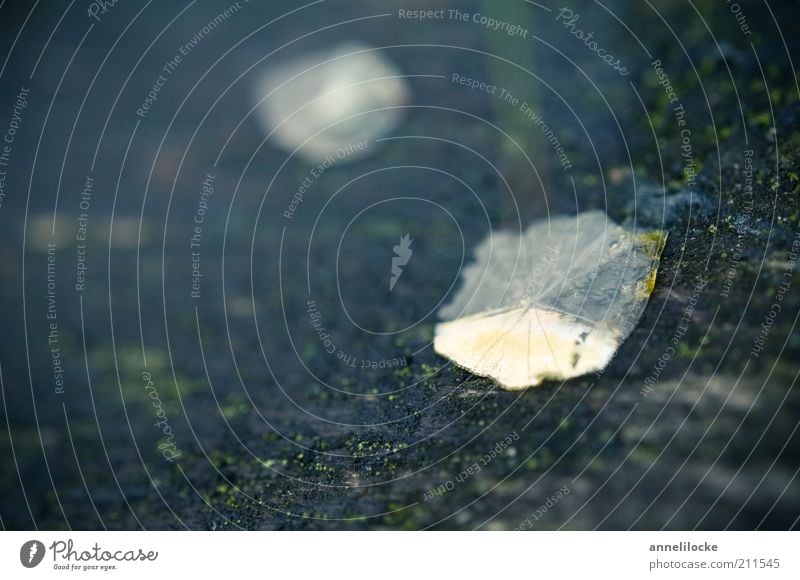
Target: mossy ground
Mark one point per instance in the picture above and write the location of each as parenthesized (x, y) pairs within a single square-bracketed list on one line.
[(711, 443)]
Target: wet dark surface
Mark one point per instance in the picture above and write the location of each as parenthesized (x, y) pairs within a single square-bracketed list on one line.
[(269, 430)]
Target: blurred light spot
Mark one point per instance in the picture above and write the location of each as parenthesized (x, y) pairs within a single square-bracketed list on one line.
[(332, 104)]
